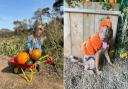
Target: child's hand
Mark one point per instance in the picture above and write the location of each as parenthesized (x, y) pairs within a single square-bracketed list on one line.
[(30, 51)]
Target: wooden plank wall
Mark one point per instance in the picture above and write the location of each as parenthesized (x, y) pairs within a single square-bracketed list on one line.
[(78, 27)]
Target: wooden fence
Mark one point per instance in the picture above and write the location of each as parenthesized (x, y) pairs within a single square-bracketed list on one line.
[(81, 22)]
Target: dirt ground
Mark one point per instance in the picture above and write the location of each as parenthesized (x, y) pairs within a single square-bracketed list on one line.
[(47, 79)]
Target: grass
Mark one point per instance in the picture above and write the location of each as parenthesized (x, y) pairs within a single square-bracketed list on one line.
[(10, 46)]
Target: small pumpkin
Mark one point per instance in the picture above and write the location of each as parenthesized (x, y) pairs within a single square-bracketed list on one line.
[(36, 54), (22, 57), (112, 1)]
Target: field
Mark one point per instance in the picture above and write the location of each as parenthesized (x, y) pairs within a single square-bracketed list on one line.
[(51, 77), (11, 45)]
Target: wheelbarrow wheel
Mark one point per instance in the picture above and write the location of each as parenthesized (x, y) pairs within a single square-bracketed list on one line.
[(16, 70), (11, 66)]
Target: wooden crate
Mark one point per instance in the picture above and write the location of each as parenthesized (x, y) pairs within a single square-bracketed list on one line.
[(83, 21)]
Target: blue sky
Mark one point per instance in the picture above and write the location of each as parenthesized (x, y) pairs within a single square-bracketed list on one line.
[(11, 10)]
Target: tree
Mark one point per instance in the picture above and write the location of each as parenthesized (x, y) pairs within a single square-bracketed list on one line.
[(57, 4), (20, 25), (41, 14), (57, 9)]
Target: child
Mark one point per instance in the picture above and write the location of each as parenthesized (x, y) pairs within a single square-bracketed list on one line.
[(97, 44), (34, 40)]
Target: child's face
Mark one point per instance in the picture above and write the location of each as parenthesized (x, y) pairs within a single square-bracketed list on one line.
[(39, 31)]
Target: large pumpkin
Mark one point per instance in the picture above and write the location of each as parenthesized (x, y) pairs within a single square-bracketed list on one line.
[(36, 54), (22, 57)]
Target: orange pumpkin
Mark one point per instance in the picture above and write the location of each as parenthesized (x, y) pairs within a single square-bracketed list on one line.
[(36, 54), (112, 1), (22, 57)]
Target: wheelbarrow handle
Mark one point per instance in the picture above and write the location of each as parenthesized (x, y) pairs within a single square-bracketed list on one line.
[(44, 56), (47, 55), (45, 61), (28, 79)]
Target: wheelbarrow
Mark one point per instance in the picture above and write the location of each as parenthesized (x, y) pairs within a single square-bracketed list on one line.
[(31, 67)]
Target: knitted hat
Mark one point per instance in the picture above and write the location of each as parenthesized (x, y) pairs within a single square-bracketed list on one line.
[(105, 22)]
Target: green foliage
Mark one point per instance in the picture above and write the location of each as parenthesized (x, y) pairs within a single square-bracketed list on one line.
[(21, 25), (105, 5), (69, 1), (122, 32), (54, 42), (74, 3), (41, 13), (57, 5), (10, 46)]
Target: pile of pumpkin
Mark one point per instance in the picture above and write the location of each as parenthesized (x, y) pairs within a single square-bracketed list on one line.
[(25, 58)]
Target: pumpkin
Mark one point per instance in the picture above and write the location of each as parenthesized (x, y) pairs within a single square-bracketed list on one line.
[(22, 57), (36, 54), (112, 1)]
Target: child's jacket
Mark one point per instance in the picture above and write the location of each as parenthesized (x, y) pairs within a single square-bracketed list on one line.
[(29, 44), (92, 45)]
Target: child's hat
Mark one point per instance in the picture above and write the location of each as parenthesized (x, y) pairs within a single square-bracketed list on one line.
[(105, 22)]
